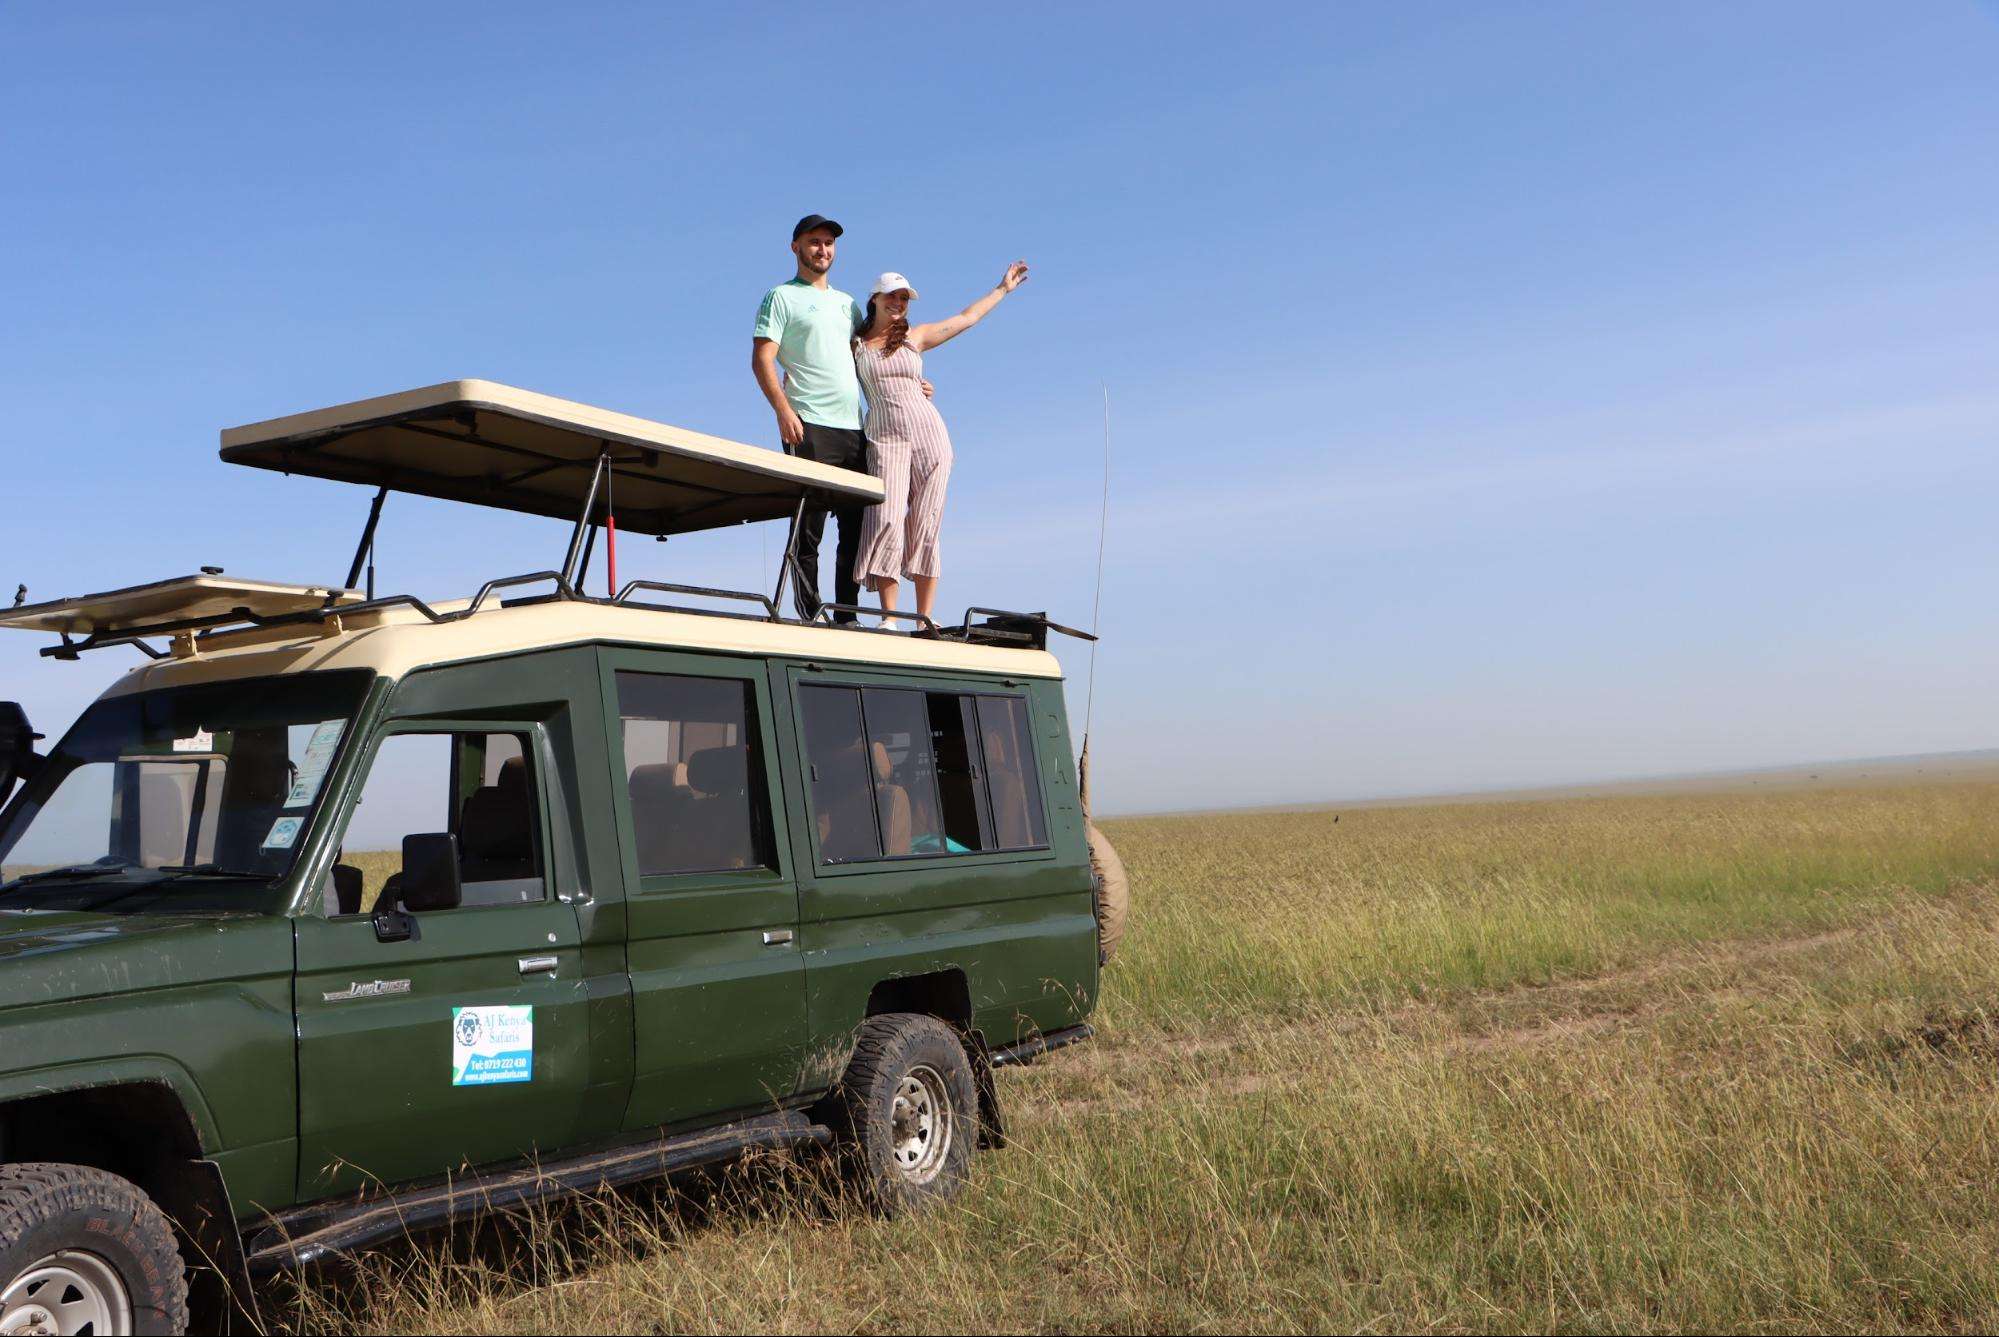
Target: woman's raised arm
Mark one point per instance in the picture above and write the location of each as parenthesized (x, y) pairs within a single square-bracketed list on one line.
[(932, 333)]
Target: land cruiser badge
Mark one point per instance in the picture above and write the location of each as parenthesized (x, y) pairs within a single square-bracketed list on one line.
[(492, 1044), (369, 989)]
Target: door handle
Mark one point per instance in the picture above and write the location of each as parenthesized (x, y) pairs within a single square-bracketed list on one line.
[(777, 937), (539, 965)]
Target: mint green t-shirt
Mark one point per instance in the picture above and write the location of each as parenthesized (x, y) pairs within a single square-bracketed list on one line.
[(813, 329)]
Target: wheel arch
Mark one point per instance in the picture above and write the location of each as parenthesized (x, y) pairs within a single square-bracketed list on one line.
[(147, 1123), (946, 994)]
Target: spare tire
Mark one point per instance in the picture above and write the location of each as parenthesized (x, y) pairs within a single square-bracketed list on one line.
[(1113, 890)]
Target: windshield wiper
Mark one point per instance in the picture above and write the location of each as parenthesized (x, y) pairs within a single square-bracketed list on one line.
[(212, 870), (75, 870)]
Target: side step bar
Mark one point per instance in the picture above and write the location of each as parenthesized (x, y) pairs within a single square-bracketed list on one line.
[(307, 1235), (1026, 1051)]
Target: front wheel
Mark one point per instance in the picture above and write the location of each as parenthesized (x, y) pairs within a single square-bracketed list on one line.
[(907, 1112), (83, 1251)]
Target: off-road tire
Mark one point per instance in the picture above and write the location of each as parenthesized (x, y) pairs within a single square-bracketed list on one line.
[(901, 1060), (47, 1210)]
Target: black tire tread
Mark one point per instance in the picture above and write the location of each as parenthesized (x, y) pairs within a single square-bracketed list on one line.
[(878, 1047), (33, 1191)]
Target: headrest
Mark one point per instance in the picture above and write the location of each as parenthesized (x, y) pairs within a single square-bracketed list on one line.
[(497, 823), (659, 782), (719, 770), (513, 775), (884, 768)]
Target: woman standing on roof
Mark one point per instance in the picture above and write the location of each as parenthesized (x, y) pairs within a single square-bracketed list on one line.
[(908, 447)]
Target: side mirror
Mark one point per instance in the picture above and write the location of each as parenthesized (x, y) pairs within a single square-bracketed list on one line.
[(18, 758), (430, 873)]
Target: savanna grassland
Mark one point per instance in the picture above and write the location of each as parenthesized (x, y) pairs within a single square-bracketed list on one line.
[(1723, 1061)]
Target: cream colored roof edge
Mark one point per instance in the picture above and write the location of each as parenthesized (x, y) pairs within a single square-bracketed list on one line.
[(566, 412), (398, 641)]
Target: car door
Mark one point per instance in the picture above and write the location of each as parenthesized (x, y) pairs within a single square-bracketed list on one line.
[(455, 1036), (718, 991)]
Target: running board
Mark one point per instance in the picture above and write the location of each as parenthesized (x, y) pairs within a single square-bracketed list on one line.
[(306, 1235), (1026, 1051)]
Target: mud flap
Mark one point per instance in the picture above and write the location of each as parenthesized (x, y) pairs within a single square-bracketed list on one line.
[(992, 1129), (195, 1198)]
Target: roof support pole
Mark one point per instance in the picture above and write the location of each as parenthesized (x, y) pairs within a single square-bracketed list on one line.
[(366, 546), (569, 561), (789, 562), (589, 551)]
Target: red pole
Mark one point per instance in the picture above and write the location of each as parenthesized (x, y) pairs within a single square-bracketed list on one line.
[(611, 550)]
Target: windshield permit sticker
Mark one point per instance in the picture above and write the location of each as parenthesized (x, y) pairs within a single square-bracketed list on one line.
[(312, 767), (283, 832), (201, 740), (491, 1045)]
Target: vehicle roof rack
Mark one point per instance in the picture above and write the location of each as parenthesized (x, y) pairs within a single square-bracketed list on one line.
[(183, 604), (1002, 627)]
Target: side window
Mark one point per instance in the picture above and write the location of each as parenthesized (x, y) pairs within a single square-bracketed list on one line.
[(478, 787), (905, 771), (841, 779), (694, 769), (1011, 778), (896, 772), (961, 791)]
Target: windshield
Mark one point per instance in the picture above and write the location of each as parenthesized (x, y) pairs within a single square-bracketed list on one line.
[(181, 798)]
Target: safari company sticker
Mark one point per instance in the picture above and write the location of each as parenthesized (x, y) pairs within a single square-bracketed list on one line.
[(283, 832), (312, 767), (492, 1044)]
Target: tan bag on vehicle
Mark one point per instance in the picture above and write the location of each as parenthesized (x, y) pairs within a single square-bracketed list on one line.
[(1113, 884)]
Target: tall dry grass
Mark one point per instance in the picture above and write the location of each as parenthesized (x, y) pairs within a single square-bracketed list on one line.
[(1632, 1064)]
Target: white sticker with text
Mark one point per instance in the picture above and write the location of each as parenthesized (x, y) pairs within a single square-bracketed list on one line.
[(492, 1044), (313, 765)]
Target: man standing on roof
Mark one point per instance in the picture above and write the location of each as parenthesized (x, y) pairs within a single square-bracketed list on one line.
[(807, 327)]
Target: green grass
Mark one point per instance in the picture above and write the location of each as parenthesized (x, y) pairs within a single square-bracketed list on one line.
[(1633, 1064)]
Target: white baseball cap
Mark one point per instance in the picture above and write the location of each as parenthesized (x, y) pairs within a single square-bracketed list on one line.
[(893, 282)]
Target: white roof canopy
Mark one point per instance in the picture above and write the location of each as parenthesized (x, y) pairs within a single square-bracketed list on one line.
[(495, 445)]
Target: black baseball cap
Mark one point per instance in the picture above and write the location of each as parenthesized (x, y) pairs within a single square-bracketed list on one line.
[(810, 221)]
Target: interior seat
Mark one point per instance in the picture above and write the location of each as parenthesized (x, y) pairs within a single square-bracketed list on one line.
[(662, 808), (724, 830), (897, 821), (496, 828)]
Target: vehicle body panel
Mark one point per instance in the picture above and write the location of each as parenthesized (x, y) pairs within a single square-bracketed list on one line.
[(200, 1004), (1020, 925), (718, 989)]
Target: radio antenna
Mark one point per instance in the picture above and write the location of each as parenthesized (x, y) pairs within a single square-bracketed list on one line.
[(1097, 604)]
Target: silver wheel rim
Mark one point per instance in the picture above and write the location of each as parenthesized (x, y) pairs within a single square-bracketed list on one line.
[(68, 1292), (920, 1124)]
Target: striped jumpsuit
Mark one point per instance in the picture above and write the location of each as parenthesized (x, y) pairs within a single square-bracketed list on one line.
[(909, 450)]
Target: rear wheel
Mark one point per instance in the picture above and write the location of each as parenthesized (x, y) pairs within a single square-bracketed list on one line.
[(83, 1251), (907, 1112)]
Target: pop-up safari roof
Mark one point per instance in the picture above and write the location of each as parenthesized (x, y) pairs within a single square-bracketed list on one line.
[(495, 445)]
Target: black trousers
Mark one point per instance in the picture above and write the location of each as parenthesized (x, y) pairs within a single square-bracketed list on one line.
[(843, 448)]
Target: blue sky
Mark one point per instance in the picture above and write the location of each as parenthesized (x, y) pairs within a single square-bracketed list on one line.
[(1500, 394)]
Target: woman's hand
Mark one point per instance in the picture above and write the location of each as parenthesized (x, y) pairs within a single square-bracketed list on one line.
[(935, 334)]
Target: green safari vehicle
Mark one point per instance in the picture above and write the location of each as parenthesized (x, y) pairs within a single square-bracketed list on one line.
[(343, 914)]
